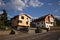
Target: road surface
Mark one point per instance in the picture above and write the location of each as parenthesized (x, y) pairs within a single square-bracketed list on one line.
[(52, 35)]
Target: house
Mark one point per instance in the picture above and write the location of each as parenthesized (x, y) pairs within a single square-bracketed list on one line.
[(21, 21), (46, 21)]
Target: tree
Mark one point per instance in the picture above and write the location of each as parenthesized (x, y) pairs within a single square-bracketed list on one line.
[(58, 22), (3, 20)]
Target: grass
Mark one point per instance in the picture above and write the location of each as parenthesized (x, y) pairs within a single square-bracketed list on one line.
[(5, 28), (58, 38)]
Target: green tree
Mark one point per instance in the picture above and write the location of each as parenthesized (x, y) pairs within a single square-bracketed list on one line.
[(58, 22), (3, 20)]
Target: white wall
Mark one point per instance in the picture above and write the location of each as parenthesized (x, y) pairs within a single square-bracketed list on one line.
[(51, 19), (40, 24), (48, 25)]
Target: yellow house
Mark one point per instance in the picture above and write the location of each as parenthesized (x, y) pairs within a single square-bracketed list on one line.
[(21, 20)]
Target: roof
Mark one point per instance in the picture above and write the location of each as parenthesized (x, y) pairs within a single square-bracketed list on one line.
[(14, 17), (26, 15), (42, 18), (21, 14)]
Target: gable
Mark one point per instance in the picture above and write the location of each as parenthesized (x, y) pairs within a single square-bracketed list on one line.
[(49, 16)]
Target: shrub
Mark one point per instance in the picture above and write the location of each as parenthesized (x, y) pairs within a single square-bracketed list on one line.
[(2, 27), (5, 28), (38, 30), (8, 28)]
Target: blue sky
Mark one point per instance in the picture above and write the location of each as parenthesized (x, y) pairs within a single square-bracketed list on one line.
[(35, 8)]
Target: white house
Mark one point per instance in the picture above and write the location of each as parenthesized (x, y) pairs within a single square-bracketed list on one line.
[(46, 21)]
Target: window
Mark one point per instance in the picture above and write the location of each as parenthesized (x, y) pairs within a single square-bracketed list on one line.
[(19, 21), (22, 17), (51, 23), (48, 18), (48, 22), (27, 18), (26, 22), (51, 19), (42, 22), (38, 23)]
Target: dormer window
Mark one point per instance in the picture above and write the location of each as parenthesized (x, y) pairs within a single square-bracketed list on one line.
[(22, 17)]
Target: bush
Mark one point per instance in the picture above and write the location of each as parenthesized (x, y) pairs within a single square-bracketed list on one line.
[(5, 28), (38, 30), (2, 27), (8, 28)]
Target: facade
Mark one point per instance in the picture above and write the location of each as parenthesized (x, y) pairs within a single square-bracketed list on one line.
[(21, 20), (46, 21)]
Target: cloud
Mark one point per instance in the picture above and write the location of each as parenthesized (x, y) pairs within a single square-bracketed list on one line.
[(56, 10), (2, 3), (10, 16), (35, 3), (1, 12), (16, 4), (58, 2), (50, 4), (34, 18), (57, 16), (20, 4)]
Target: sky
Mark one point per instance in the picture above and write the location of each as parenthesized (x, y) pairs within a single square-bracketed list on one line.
[(35, 8)]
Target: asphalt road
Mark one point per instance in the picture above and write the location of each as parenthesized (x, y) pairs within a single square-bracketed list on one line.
[(52, 35)]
